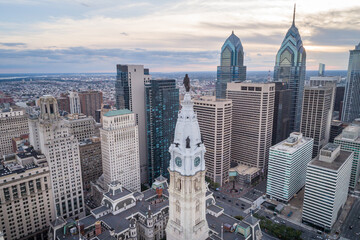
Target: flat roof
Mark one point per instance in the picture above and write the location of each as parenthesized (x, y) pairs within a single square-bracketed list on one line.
[(244, 169), (334, 165), (285, 146), (117, 112)]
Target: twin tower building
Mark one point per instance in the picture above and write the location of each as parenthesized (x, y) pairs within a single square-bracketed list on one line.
[(290, 65)]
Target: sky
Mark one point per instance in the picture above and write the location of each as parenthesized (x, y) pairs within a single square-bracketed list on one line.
[(69, 36)]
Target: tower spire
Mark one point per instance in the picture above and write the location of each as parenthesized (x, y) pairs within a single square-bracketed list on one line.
[(293, 23)]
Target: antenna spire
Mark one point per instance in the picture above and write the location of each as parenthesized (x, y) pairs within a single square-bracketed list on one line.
[(293, 23)]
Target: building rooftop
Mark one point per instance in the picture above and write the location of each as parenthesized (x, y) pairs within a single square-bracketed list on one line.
[(292, 143), (350, 133), (244, 169), (335, 164), (117, 112)]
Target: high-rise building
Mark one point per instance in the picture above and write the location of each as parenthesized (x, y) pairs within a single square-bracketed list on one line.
[(74, 102), (162, 106), (329, 81), (90, 101), (351, 107), (120, 149), (336, 129), (339, 97), (64, 102), (282, 109), (321, 72), (315, 121), (187, 189), (13, 123), (80, 126), (91, 160), (349, 140), (130, 94), (287, 166), (289, 68), (231, 67), (326, 188), (51, 134), (215, 120), (252, 115)]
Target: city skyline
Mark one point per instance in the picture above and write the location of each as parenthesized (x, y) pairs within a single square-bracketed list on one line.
[(88, 36)]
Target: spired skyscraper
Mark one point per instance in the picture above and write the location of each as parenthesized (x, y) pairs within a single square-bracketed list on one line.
[(231, 67), (351, 108), (289, 68)]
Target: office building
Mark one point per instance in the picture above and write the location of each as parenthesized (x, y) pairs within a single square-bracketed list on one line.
[(162, 106), (63, 102), (349, 140), (50, 134), (130, 94), (231, 67), (321, 72), (215, 120), (339, 97), (90, 101), (120, 149), (26, 199), (315, 120), (80, 126), (326, 188), (287, 167), (13, 123), (282, 109), (91, 160), (351, 107), (336, 129), (290, 68), (252, 117), (74, 102)]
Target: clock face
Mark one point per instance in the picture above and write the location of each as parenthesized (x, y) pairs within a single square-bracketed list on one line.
[(178, 161), (197, 161)]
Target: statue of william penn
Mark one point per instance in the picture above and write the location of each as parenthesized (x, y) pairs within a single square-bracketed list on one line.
[(186, 82)]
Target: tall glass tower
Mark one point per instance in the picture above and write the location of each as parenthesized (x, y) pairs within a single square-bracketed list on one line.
[(351, 107), (289, 68), (231, 67), (162, 106)]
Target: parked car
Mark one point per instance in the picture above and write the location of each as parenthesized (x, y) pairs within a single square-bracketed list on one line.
[(351, 227)]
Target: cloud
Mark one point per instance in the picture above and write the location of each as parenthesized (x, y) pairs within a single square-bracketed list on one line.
[(13, 44)]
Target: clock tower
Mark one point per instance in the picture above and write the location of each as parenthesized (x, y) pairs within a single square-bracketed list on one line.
[(187, 188)]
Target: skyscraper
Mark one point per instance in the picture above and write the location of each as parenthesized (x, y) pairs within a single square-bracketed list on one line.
[(120, 149), (162, 106), (326, 188), (349, 140), (187, 189), (289, 68), (13, 123), (321, 72), (130, 94), (282, 109), (215, 120), (252, 115), (351, 108), (50, 134), (287, 166), (90, 101), (231, 67), (315, 121), (74, 102)]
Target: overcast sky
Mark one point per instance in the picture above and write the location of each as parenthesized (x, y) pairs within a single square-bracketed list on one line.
[(168, 35)]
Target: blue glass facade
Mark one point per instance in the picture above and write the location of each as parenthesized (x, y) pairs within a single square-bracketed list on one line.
[(122, 87), (231, 67), (290, 68), (351, 107), (162, 106)]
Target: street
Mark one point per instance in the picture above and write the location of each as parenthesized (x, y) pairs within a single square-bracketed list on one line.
[(352, 220)]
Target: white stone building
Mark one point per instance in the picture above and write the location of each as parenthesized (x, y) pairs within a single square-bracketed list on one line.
[(74, 102), (327, 183), (287, 166), (120, 149)]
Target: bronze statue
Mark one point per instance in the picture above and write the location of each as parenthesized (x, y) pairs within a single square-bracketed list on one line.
[(186, 82), (188, 142)]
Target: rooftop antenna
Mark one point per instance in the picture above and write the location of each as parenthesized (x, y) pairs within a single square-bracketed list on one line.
[(293, 23)]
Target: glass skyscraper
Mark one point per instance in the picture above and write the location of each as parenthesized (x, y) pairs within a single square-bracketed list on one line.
[(162, 106), (231, 67), (289, 68), (351, 108)]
